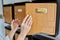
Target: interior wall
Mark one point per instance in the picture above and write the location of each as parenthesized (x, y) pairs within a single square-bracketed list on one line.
[(1, 7), (2, 28), (14, 1), (8, 2)]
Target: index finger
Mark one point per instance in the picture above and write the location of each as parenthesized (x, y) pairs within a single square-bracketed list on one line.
[(25, 19)]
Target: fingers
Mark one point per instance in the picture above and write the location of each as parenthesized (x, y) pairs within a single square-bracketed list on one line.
[(12, 22), (29, 20), (15, 21), (24, 21)]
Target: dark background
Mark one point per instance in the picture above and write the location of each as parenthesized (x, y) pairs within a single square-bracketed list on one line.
[(45, 0)]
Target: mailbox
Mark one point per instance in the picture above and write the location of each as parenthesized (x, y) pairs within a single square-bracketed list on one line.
[(43, 17)]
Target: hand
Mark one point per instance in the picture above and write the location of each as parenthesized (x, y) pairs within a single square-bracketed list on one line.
[(14, 27), (26, 25), (15, 24)]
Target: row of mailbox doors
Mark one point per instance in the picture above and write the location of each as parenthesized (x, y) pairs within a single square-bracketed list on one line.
[(18, 10)]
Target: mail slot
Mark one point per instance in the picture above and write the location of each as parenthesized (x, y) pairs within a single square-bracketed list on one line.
[(41, 10), (43, 16)]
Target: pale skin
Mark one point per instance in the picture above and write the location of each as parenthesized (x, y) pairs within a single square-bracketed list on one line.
[(25, 27), (14, 27)]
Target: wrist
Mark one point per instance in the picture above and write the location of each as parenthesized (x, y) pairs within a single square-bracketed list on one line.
[(23, 34), (11, 34)]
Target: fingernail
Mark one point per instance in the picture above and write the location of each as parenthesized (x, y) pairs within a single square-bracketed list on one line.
[(30, 16)]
